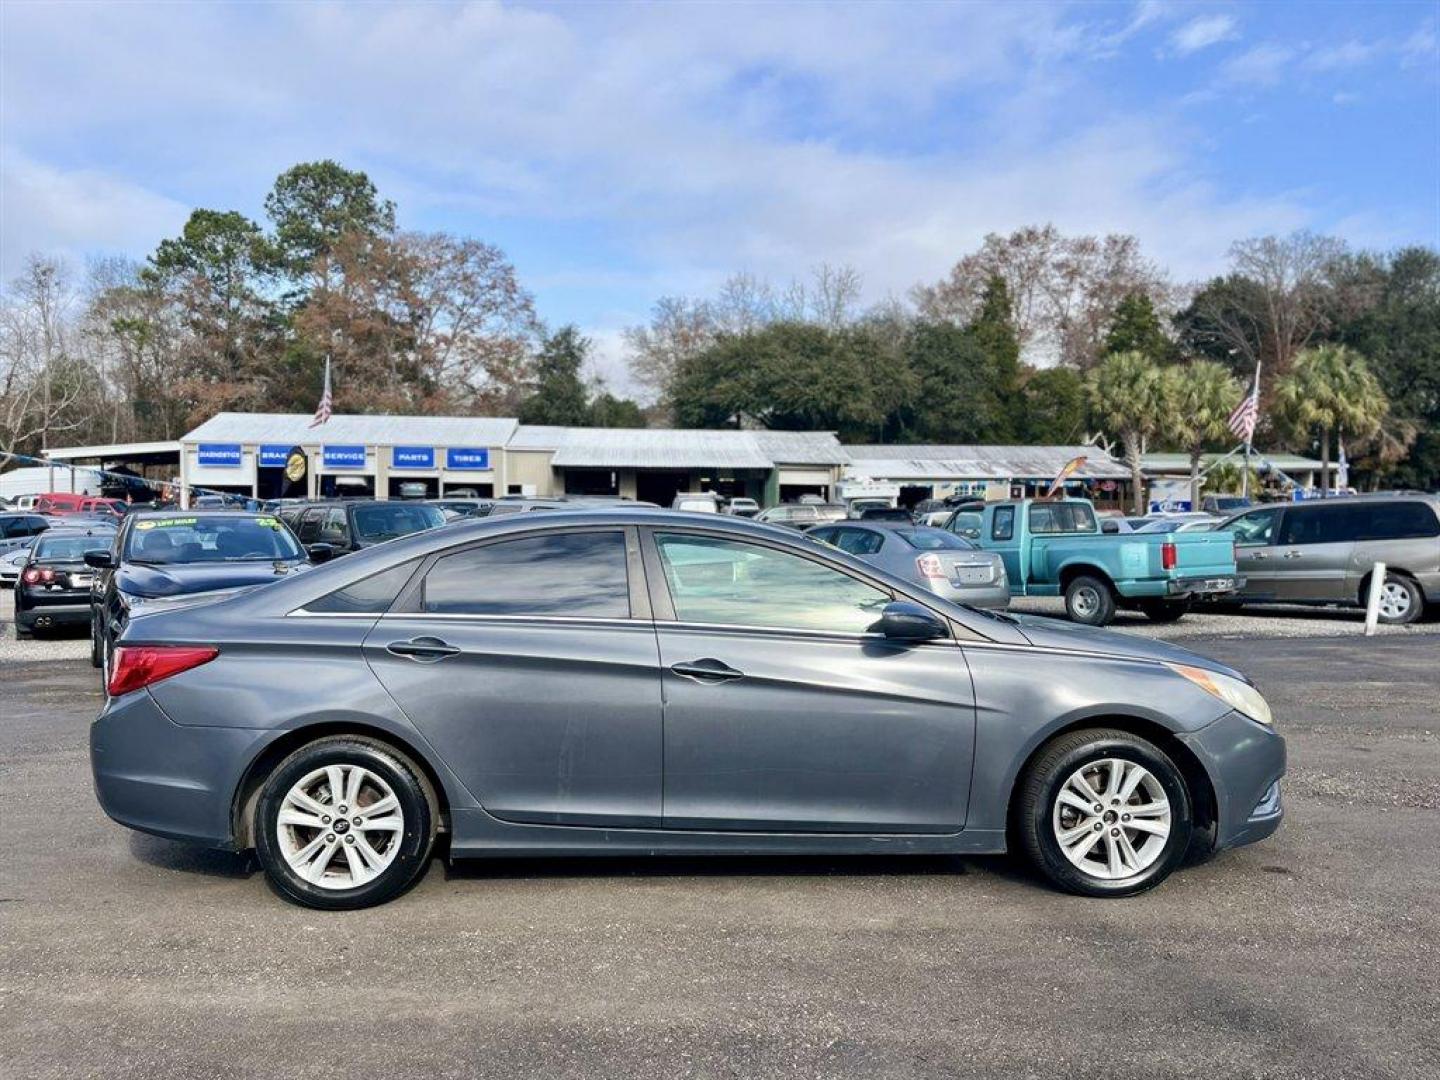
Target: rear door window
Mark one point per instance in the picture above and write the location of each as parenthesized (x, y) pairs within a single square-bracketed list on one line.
[(310, 524), (371, 595), (858, 541), (556, 574), (1320, 525), (333, 529)]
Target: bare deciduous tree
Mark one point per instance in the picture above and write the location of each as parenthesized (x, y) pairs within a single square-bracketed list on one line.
[(1289, 307)]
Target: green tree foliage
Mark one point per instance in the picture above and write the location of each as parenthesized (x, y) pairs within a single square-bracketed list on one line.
[(1398, 331), (1134, 397), (1136, 327), (606, 410), (559, 396), (314, 204), (1055, 408), (1203, 395), (1330, 388)]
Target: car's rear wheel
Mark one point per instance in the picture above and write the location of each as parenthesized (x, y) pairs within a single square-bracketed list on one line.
[(1164, 611), (1104, 813), (1089, 600), (344, 822), (1401, 600)]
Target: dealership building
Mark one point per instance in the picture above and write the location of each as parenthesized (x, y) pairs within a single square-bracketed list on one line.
[(274, 455)]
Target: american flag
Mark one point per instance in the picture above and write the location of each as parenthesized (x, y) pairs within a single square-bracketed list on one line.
[(1243, 418), (322, 411)]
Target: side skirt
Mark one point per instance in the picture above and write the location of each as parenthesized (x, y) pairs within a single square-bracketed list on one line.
[(475, 834)]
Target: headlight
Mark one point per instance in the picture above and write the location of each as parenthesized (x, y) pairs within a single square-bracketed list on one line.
[(1240, 696)]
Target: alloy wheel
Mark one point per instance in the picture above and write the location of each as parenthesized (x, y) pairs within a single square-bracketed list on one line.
[(1086, 602), (1112, 819), (1394, 600), (340, 826)]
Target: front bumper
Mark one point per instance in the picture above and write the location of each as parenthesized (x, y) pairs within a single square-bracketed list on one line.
[(1214, 585), (1245, 762), (160, 777)]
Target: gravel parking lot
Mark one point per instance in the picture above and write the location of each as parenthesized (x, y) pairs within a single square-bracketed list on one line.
[(1313, 954)]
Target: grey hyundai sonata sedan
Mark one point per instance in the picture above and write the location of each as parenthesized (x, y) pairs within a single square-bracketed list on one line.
[(626, 682)]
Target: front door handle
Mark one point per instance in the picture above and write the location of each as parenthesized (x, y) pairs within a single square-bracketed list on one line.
[(1294, 555), (425, 650), (1259, 555), (707, 669)]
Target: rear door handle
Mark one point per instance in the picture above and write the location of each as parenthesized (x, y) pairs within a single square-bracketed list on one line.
[(707, 669), (425, 650), (1294, 555)]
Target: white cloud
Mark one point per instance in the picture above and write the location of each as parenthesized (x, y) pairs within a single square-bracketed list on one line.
[(1202, 32), (1264, 65), (75, 212)]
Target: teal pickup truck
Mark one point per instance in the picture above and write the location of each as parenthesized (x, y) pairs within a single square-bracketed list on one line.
[(1054, 547)]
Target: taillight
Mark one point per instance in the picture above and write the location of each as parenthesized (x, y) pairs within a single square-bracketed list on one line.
[(1167, 555), (929, 566), (31, 576), (138, 666), (47, 575)]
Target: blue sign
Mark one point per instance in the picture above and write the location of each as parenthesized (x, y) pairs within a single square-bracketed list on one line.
[(343, 457), (412, 457), (219, 455), (273, 455), (460, 457)]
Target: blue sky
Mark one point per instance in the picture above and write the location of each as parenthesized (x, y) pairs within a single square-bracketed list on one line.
[(623, 152)]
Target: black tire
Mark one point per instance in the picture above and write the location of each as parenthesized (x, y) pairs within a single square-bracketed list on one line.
[(1090, 600), (1042, 783), (97, 659), (1416, 604), (417, 805), (22, 634), (1165, 611)]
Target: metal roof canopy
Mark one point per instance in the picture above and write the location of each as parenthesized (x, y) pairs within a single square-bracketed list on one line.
[(150, 453), (378, 430), (973, 462), (651, 448)]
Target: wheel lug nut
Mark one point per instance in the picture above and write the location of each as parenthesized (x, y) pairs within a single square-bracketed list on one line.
[(1098, 826), (1114, 832), (350, 839), (1098, 808), (358, 820), (342, 808), (330, 838), (325, 819), (1124, 817)]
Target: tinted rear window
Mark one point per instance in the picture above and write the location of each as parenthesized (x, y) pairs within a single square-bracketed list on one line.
[(383, 522), (579, 573), (67, 548), (1399, 521)]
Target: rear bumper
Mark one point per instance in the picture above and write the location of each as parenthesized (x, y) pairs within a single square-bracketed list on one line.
[(45, 611), (982, 596), (164, 778), (1245, 762), (1213, 585)]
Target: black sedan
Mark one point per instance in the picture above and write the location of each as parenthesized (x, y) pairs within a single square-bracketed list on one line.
[(159, 557), (53, 589)]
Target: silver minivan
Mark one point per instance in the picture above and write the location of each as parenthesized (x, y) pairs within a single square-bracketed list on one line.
[(1324, 552)]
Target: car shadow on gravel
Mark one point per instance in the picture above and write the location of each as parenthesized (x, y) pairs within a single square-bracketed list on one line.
[(749, 866), (191, 858)]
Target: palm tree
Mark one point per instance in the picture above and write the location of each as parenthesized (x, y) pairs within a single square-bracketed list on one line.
[(1204, 395), (1330, 388), (1135, 399)]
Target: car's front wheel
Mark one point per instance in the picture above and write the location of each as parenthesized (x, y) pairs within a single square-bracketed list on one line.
[(1104, 813), (344, 822), (97, 657)]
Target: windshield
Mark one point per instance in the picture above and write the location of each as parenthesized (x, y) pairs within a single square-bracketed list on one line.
[(1160, 527), (204, 539), (380, 522), (68, 548), (934, 540)]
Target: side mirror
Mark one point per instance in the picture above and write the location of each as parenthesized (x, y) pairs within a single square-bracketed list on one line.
[(100, 559), (971, 533), (1109, 526), (320, 552), (900, 620)]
